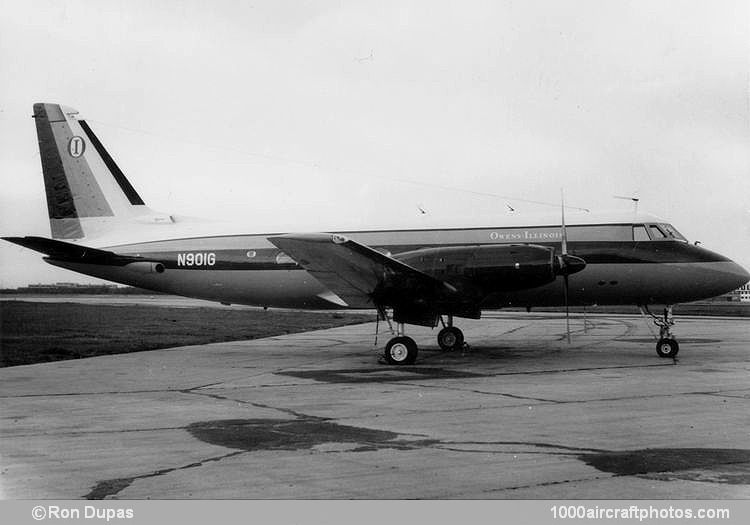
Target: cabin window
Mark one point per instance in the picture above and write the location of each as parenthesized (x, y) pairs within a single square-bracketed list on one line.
[(656, 233), (640, 233), (596, 232)]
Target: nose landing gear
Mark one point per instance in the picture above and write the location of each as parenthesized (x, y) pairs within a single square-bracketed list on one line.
[(666, 346)]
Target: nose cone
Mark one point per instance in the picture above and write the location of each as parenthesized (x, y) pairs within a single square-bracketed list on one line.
[(723, 277), (735, 276), (707, 275)]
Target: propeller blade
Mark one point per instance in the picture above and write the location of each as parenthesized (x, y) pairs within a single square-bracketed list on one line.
[(562, 216), (567, 311), (564, 260)]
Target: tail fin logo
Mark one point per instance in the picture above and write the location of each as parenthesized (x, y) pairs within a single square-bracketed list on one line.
[(76, 147)]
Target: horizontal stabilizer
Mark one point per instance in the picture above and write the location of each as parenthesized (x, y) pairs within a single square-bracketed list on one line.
[(66, 251)]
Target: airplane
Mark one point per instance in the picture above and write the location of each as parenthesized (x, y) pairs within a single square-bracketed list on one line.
[(101, 227)]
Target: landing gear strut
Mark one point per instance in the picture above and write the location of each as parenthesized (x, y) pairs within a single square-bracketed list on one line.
[(401, 350), (666, 346), (450, 337)]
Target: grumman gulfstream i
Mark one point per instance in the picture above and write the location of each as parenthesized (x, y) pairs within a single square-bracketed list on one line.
[(101, 227)]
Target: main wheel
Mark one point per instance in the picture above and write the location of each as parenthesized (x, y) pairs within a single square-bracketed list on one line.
[(450, 338), (667, 347), (401, 350)]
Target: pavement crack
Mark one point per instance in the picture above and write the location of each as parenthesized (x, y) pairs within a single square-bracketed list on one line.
[(483, 392), (506, 452), (537, 444), (104, 393), (546, 484), (111, 487), (94, 432), (287, 411)]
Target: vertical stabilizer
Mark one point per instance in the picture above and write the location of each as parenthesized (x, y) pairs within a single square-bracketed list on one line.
[(87, 193)]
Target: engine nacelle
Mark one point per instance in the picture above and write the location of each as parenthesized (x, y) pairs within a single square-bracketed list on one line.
[(146, 267), (492, 268)]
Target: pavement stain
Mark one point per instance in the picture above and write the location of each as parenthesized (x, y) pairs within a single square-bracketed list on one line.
[(248, 435), (296, 434), (378, 375), (728, 466), (715, 465)]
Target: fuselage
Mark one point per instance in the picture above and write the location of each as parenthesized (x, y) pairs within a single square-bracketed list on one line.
[(626, 263)]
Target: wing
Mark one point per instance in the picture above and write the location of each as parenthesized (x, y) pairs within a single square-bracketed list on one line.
[(362, 276)]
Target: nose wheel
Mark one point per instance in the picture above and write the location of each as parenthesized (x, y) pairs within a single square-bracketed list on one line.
[(667, 347)]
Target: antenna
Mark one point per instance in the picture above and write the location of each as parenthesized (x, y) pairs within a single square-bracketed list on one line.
[(634, 199)]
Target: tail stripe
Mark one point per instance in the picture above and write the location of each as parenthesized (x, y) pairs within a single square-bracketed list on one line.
[(59, 197), (117, 173), (62, 210), (80, 195)]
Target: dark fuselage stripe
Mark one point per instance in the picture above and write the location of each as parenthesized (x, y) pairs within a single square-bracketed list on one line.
[(593, 252)]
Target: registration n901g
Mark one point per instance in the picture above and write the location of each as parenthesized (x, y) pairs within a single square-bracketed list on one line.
[(196, 259)]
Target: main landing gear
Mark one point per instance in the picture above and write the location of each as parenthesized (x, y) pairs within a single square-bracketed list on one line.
[(450, 337), (666, 346), (401, 350)]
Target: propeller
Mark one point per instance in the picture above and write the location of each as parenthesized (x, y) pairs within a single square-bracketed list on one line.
[(566, 264), (562, 256)]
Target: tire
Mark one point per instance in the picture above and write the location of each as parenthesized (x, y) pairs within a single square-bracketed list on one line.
[(667, 347), (401, 351), (450, 338)]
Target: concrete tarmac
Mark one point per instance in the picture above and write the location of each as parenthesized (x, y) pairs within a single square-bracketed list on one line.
[(522, 414)]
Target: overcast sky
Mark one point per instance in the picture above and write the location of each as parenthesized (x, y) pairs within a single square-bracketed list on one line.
[(283, 115)]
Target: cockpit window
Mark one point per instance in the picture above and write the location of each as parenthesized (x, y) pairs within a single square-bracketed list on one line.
[(656, 233), (672, 233), (640, 233)]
